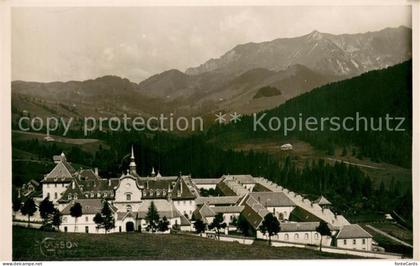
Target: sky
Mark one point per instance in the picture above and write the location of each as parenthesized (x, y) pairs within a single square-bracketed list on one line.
[(61, 44)]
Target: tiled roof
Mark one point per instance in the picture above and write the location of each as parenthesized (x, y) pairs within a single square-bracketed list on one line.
[(184, 220), (158, 187), (273, 199), (164, 208), (254, 212), (62, 172), (302, 226), (87, 174), (89, 206), (184, 193), (353, 231), (225, 189), (223, 200), (205, 181), (243, 179), (203, 212), (227, 209)]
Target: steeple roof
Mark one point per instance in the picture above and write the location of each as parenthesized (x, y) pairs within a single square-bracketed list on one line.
[(322, 201), (132, 162)]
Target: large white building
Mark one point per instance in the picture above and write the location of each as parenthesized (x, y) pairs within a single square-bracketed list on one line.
[(178, 199)]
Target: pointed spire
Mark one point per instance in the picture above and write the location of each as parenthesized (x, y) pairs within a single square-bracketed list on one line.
[(153, 171), (132, 166), (132, 153)]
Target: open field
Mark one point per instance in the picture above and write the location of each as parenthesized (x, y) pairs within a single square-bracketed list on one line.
[(88, 145), (136, 246)]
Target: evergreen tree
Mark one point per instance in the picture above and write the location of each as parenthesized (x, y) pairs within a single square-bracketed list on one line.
[(108, 217), (152, 217), (56, 218), (105, 219)]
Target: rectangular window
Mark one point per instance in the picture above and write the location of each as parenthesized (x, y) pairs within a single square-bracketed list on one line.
[(65, 229), (354, 241), (86, 229), (345, 242), (364, 241), (86, 218)]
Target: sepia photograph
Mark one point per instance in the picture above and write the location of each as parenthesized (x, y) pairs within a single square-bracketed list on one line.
[(211, 132)]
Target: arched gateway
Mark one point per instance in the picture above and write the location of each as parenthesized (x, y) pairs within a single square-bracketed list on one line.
[(129, 227)]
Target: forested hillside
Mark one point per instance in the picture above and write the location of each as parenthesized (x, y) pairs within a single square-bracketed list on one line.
[(373, 95)]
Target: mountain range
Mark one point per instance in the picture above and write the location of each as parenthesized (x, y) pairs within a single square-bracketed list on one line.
[(249, 78)]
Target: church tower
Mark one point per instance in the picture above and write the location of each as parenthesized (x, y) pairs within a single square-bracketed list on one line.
[(132, 166)]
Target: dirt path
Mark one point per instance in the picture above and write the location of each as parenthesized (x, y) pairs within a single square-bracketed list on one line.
[(357, 164), (389, 236)]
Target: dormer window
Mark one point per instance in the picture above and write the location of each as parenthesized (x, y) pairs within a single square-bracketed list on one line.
[(128, 197)]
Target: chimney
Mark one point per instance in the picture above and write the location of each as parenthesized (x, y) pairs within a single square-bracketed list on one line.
[(73, 185), (19, 193), (109, 182), (96, 171)]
